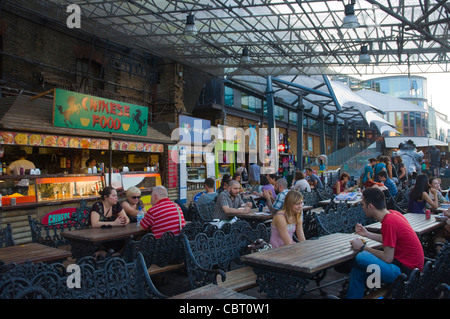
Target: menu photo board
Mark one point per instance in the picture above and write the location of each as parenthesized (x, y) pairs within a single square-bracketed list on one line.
[(81, 111), (48, 140)]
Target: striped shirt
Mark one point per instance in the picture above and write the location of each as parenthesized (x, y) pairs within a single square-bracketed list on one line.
[(163, 217)]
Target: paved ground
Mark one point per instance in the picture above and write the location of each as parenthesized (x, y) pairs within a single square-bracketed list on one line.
[(177, 282)]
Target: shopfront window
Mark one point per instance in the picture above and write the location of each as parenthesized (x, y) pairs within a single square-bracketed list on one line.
[(229, 98)]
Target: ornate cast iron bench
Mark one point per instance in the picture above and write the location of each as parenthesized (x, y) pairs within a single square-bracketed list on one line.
[(50, 234), (209, 256), (342, 220), (426, 284), (6, 236), (205, 212), (165, 253), (111, 278)]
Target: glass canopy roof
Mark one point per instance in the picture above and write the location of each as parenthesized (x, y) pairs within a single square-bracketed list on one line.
[(287, 39), (282, 36)]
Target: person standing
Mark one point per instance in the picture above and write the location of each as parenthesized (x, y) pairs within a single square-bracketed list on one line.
[(164, 215), (15, 169), (402, 250), (368, 173), (253, 176)]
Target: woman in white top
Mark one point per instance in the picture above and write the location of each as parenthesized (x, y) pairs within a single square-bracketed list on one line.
[(301, 183)]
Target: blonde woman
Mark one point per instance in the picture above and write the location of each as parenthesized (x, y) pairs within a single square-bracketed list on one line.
[(132, 203), (288, 221)]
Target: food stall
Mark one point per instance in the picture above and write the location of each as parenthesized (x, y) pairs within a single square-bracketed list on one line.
[(60, 149)]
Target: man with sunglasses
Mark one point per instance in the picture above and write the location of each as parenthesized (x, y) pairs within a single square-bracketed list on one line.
[(132, 203)]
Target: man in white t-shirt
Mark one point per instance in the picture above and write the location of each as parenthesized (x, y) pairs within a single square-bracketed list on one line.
[(14, 169)]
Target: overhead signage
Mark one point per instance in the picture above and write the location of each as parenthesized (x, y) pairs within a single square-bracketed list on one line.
[(194, 130), (81, 111)]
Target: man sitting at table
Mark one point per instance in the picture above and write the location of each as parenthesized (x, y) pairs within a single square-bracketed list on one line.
[(210, 194), (229, 201), (402, 250), (164, 215), (281, 188), (314, 180), (392, 188)]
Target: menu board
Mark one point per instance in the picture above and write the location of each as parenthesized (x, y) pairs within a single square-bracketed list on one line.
[(137, 147), (46, 140), (172, 166)]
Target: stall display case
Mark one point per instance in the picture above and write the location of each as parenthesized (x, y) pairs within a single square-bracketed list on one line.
[(50, 188), (196, 177), (68, 187)]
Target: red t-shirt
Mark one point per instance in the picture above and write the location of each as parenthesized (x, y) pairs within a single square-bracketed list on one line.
[(162, 217), (398, 233)]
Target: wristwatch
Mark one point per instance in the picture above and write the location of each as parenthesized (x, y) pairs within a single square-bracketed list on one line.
[(362, 248)]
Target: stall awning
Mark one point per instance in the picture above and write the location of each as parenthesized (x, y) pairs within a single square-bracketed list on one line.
[(20, 114), (419, 141)]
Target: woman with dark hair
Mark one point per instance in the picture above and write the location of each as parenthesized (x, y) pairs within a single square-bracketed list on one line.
[(418, 196), (341, 184), (402, 174), (108, 211), (266, 185), (301, 183), (224, 183)]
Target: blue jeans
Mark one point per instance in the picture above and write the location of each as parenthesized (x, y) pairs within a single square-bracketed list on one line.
[(359, 274)]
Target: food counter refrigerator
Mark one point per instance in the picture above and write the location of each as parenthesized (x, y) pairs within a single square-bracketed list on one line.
[(46, 189)]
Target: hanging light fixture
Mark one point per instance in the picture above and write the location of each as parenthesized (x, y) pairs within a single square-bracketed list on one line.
[(364, 56), (350, 20), (190, 29), (245, 58)]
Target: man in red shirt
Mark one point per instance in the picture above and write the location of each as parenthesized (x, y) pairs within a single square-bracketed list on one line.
[(164, 215), (402, 250)]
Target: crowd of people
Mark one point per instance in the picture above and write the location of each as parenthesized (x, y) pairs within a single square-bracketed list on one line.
[(401, 252)]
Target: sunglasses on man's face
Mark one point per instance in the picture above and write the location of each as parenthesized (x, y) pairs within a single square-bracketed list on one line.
[(135, 197)]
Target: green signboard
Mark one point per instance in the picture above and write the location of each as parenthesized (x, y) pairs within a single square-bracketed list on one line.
[(81, 111)]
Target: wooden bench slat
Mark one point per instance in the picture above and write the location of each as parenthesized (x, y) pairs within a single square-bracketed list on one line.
[(155, 269), (239, 279)]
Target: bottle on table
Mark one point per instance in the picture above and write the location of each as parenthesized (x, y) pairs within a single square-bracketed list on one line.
[(140, 216)]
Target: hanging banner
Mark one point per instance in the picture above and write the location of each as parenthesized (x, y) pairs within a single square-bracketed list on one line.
[(81, 111)]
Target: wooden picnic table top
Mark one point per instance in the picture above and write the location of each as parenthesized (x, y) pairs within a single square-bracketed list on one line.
[(34, 252), (308, 257), (417, 221), (99, 235), (253, 214), (350, 202), (212, 292)]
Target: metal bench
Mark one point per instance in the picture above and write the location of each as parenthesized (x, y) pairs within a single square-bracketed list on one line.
[(111, 278), (6, 236), (205, 212), (50, 234), (425, 284), (209, 256), (165, 253), (341, 221)]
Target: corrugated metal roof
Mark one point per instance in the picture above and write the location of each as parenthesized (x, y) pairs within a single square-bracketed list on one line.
[(19, 113)]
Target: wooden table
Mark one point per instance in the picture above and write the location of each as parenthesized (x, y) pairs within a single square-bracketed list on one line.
[(417, 221), (284, 272), (424, 228), (34, 252), (349, 203), (212, 292), (84, 242), (254, 214)]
